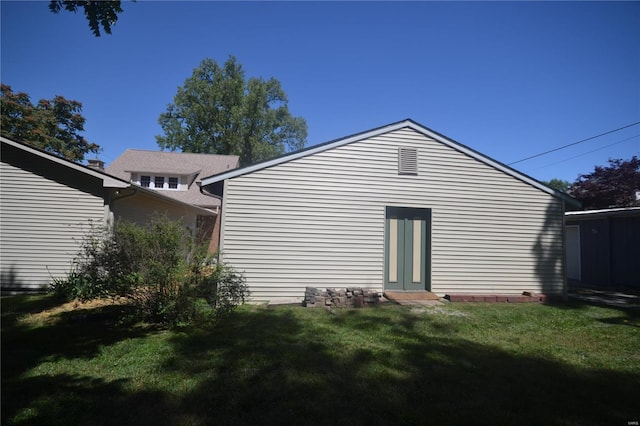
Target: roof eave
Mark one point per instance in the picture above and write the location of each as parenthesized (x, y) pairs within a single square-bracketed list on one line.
[(108, 181)]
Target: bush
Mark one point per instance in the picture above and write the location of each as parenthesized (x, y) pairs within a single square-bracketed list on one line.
[(160, 268)]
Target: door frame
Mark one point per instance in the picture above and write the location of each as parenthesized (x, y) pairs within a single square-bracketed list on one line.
[(404, 246)]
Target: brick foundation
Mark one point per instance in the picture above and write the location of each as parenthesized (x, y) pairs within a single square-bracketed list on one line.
[(525, 297)]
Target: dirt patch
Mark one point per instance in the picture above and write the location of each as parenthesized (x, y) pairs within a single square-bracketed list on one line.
[(54, 314), (437, 310)]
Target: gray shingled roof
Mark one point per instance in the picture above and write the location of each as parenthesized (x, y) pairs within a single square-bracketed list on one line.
[(174, 163)]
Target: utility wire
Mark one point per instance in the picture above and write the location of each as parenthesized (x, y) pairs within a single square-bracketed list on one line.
[(584, 153), (574, 143)]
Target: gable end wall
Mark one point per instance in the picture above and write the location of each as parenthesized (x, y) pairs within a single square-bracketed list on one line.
[(319, 221), (42, 223)]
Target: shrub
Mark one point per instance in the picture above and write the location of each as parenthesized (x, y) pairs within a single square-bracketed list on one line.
[(159, 267), (221, 286)]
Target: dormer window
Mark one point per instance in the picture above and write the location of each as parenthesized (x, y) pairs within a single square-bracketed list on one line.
[(159, 182)]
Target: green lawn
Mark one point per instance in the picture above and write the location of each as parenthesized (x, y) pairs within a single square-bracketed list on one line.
[(455, 364)]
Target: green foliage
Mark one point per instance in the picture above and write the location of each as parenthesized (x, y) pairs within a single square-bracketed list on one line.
[(159, 267), (99, 13), (217, 111), (558, 184), (612, 186), (52, 125), (222, 287)]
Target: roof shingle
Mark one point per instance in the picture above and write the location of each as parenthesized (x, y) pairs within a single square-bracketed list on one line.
[(174, 163)]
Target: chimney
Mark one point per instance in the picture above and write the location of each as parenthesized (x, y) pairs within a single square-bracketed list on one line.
[(96, 164)]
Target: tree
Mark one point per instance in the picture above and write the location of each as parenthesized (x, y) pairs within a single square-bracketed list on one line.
[(51, 125), (612, 186), (217, 111), (558, 184), (98, 13)]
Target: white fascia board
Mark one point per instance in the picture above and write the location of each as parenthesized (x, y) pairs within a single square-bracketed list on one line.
[(386, 129), (108, 181), (603, 212)]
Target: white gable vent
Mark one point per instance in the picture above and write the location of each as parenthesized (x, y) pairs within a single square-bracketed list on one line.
[(407, 161)]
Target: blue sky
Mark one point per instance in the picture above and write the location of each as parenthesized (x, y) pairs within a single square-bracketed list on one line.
[(508, 79)]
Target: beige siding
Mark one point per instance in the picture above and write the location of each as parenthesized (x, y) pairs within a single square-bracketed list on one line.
[(139, 208), (42, 223), (319, 221)]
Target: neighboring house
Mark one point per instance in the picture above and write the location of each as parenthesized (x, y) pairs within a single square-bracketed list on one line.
[(176, 175), (603, 248), (49, 204), (399, 207)]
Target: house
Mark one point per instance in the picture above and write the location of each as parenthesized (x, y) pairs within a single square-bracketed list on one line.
[(176, 175), (398, 207), (603, 248), (49, 204)]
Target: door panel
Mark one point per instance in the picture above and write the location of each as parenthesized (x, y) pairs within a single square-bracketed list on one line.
[(407, 248)]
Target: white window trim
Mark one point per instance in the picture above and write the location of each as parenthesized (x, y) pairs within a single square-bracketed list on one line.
[(165, 186)]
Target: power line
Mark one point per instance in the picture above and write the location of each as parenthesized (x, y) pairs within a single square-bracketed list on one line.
[(574, 143), (584, 153)]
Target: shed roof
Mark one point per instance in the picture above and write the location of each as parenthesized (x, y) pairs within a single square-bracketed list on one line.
[(408, 123)]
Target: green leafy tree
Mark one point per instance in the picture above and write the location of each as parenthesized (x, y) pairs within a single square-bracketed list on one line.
[(612, 186), (217, 111), (98, 13), (51, 125), (558, 184)]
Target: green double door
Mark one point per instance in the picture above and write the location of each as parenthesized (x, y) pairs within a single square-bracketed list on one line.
[(407, 249)]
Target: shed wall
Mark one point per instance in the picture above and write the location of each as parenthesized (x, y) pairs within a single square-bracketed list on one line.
[(319, 221), (609, 250), (42, 223)]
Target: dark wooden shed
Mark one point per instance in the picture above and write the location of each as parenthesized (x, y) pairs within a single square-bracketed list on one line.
[(603, 248)]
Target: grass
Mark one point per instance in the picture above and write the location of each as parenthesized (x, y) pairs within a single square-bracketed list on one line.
[(456, 364)]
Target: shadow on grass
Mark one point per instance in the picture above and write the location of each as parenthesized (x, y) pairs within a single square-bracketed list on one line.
[(272, 369), (15, 306), (63, 399), (383, 366), (627, 314), (76, 334)]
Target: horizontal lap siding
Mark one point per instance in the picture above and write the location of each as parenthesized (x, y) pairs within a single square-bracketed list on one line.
[(141, 207), (42, 223), (319, 221)]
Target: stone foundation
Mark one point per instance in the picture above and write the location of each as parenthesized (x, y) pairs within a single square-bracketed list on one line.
[(349, 297)]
